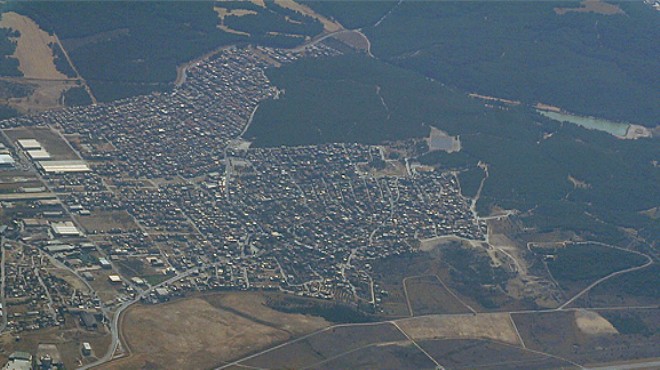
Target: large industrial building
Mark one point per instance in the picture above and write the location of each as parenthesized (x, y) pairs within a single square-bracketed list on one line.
[(63, 166)]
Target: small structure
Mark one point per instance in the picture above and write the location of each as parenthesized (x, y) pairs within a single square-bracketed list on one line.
[(105, 263), (86, 349), (114, 279)]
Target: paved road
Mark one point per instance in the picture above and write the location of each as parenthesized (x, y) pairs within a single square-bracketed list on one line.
[(638, 365), (3, 255), (114, 325)]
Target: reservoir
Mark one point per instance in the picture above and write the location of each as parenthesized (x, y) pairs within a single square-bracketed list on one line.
[(591, 123)]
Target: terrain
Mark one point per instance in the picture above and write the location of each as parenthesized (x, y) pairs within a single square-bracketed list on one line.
[(281, 184)]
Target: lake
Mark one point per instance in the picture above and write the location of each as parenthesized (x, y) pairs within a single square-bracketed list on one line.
[(591, 123)]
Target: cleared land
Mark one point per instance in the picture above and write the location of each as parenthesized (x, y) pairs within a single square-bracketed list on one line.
[(590, 322), (593, 6), (593, 340), (427, 296), (495, 326), (104, 221), (378, 356), (328, 25), (327, 345), (193, 333), (33, 50), (483, 354)]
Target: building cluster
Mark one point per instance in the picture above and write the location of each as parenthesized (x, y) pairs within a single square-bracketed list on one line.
[(198, 212)]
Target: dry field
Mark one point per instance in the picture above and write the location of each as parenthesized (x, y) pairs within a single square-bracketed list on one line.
[(104, 221), (593, 6), (36, 62), (33, 50), (195, 334), (328, 25), (327, 345), (428, 296), (590, 322), (494, 326)]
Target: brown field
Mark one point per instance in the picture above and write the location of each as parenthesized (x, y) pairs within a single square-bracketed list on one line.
[(354, 39), (328, 25), (559, 333), (193, 333), (104, 221), (36, 62), (495, 326), (427, 296), (593, 6), (403, 355), (223, 12), (50, 140), (590, 322), (33, 51), (326, 345), (484, 354)]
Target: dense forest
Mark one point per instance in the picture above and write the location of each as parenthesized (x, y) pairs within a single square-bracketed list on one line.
[(587, 63), (128, 48)]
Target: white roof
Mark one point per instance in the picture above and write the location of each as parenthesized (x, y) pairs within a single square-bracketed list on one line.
[(38, 154), (29, 144), (6, 159), (64, 166), (65, 228)]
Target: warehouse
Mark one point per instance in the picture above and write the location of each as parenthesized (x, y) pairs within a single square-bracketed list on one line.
[(6, 160), (38, 154), (63, 166), (28, 144), (65, 229)]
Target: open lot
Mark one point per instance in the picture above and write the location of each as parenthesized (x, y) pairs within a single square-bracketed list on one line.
[(194, 333), (484, 354), (33, 50), (428, 296), (588, 337), (327, 345), (495, 326), (391, 356), (104, 221)]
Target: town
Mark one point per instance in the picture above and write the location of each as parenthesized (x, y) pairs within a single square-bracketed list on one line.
[(157, 196)]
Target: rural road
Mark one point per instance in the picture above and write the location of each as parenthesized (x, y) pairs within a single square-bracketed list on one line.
[(114, 326), (616, 273)]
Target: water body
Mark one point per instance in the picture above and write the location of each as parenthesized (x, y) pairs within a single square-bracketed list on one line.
[(591, 123)]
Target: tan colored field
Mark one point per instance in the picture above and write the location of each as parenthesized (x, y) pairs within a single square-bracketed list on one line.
[(495, 326), (328, 25), (104, 221), (593, 6), (590, 322), (194, 334), (47, 94), (33, 52), (223, 12)]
